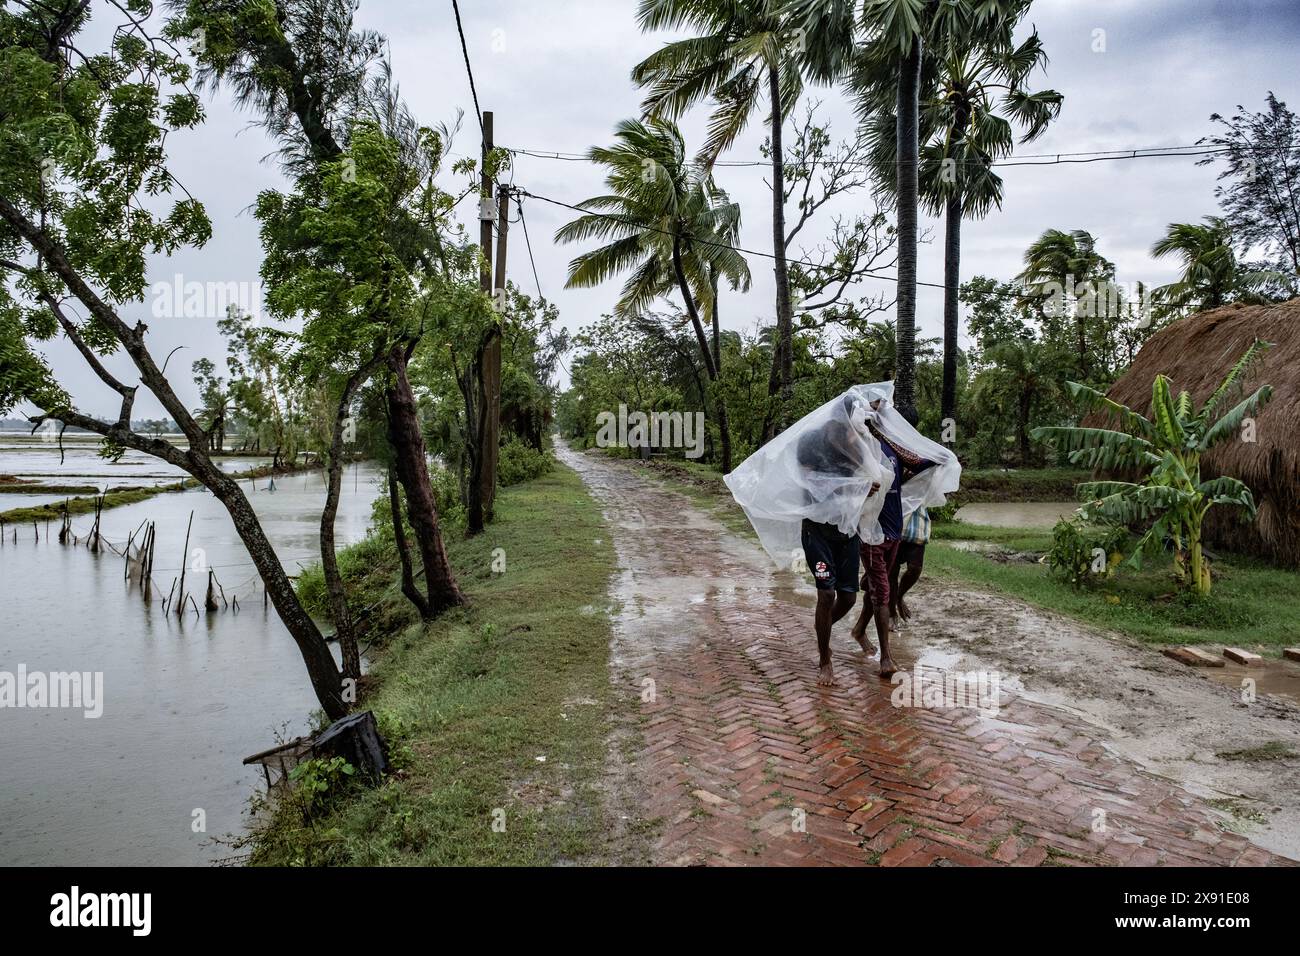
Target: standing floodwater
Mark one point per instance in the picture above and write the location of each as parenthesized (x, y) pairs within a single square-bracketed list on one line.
[(184, 701)]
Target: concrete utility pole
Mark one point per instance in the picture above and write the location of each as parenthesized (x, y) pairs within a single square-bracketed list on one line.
[(492, 361), (486, 213), (483, 493)]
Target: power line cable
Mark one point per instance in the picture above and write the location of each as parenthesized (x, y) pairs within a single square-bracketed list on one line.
[(866, 273), (709, 242), (1026, 159), (528, 243), (469, 70)]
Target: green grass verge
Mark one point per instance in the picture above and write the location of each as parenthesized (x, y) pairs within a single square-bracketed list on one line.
[(1252, 605), (471, 702), (122, 496), (84, 505), (36, 488)]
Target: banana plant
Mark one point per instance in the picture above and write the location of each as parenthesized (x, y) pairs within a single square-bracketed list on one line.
[(1165, 451)]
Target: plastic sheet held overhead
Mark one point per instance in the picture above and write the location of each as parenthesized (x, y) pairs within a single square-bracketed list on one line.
[(931, 487), (828, 467)]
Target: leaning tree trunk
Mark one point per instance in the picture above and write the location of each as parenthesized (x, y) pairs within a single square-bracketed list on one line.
[(909, 84), (951, 284), (404, 550), (781, 380), (413, 473), (321, 668), (343, 629)]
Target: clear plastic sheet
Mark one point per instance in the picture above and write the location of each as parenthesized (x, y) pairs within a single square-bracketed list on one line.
[(930, 488), (828, 467)]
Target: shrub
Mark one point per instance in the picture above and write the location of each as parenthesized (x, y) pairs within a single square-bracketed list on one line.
[(520, 462), (1083, 553), (945, 512), (317, 783), (447, 496)]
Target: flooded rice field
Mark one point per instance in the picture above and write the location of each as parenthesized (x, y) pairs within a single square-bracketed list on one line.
[(1017, 514), (158, 774)]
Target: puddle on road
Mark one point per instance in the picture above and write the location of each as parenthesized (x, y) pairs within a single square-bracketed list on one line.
[(1279, 678)]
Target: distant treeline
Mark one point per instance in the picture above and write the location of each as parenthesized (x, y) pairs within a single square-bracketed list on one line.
[(159, 426)]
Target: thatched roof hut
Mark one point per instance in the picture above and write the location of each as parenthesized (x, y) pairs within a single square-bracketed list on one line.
[(1196, 353)]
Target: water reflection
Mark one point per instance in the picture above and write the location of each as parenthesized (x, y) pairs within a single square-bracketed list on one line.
[(185, 698)]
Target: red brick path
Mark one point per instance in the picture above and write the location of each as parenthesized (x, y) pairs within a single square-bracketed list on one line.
[(745, 760)]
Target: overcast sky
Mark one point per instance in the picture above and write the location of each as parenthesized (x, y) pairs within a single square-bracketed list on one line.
[(555, 74)]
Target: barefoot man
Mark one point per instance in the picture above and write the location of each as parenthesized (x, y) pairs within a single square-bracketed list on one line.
[(835, 451), (879, 560), (816, 492)]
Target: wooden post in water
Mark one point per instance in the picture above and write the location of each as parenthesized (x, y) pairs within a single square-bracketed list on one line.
[(185, 557), (210, 602), (147, 570), (94, 532)]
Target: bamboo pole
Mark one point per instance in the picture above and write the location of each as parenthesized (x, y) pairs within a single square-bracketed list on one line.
[(185, 557)]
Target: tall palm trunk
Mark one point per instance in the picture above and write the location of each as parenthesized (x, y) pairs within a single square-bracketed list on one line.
[(909, 85), (694, 313), (724, 426), (951, 283), (1022, 425), (781, 380), (712, 357)]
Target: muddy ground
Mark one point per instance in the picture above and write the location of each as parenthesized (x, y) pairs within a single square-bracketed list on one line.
[(1165, 718)]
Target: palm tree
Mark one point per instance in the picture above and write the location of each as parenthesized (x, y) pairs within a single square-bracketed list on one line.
[(981, 92), (1060, 266), (1166, 449), (882, 57), (667, 222), (741, 53), (1211, 275), (887, 76)]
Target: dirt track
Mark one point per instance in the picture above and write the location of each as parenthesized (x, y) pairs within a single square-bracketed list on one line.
[(1100, 752)]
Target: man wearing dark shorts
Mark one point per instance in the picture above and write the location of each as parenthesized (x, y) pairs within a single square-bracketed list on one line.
[(831, 554)]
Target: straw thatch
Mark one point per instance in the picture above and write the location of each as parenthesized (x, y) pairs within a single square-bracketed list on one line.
[(1196, 353)]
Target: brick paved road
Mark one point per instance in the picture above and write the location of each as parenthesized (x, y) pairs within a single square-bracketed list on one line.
[(744, 759)]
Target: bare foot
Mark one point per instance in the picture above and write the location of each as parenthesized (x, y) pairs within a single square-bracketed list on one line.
[(826, 675), (893, 624), (864, 642), (887, 667), (904, 612)]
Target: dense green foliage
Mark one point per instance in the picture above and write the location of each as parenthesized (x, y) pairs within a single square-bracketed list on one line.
[(1169, 499)]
